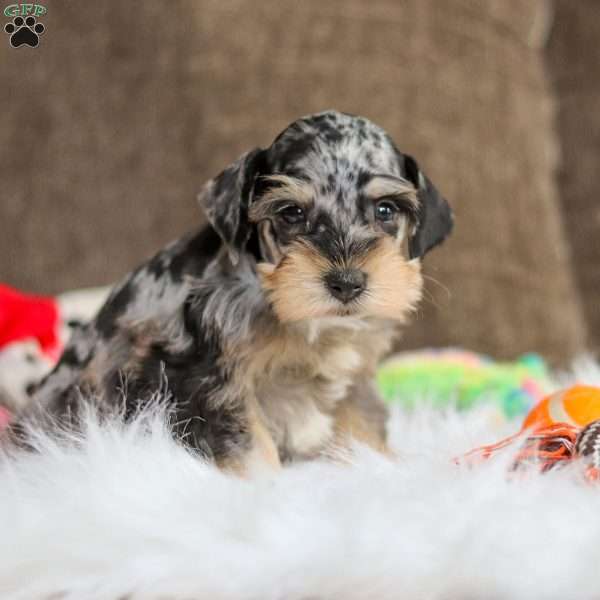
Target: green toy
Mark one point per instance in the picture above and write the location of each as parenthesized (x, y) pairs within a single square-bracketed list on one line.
[(449, 376)]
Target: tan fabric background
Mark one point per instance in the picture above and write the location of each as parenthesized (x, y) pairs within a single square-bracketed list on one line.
[(112, 124), (574, 62)]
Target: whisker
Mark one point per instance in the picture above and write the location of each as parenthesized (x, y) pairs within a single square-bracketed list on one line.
[(429, 298), (440, 284)]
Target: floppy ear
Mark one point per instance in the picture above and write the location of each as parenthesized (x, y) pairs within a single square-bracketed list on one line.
[(435, 215), (225, 201)]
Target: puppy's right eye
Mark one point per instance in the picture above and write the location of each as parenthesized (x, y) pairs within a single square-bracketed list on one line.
[(385, 211), (292, 214)]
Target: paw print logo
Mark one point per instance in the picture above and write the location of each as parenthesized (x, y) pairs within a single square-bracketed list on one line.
[(24, 32)]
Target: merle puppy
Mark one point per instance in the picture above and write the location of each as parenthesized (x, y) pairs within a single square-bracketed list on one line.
[(264, 329)]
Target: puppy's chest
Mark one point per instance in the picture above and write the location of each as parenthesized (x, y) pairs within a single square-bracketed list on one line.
[(299, 413), (300, 391)]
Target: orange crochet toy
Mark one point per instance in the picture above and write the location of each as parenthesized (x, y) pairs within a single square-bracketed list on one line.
[(562, 427)]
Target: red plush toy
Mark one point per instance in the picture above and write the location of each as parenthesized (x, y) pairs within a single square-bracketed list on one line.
[(27, 318), (24, 316)]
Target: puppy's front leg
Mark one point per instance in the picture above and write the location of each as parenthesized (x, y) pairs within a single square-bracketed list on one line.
[(362, 416), (262, 449)]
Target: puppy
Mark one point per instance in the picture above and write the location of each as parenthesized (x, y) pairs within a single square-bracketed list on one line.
[(263, 330)]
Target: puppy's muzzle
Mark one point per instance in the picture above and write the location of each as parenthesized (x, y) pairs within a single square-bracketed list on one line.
[(346, 285)]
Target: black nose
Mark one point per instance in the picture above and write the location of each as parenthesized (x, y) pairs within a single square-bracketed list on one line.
[(346, 285)]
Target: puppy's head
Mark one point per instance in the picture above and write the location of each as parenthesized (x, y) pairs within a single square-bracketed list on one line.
[(336, 216)]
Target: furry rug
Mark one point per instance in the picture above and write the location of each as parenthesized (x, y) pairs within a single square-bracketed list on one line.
[(126, 513)]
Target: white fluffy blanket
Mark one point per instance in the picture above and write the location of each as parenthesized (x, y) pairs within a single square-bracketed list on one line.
[(128, 514)]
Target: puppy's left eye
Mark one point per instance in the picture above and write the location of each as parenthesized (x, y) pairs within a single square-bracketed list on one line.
[(385, 211), (292, 214)]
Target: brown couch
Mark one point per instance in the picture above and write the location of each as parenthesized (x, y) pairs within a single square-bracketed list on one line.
[(111, 125)]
